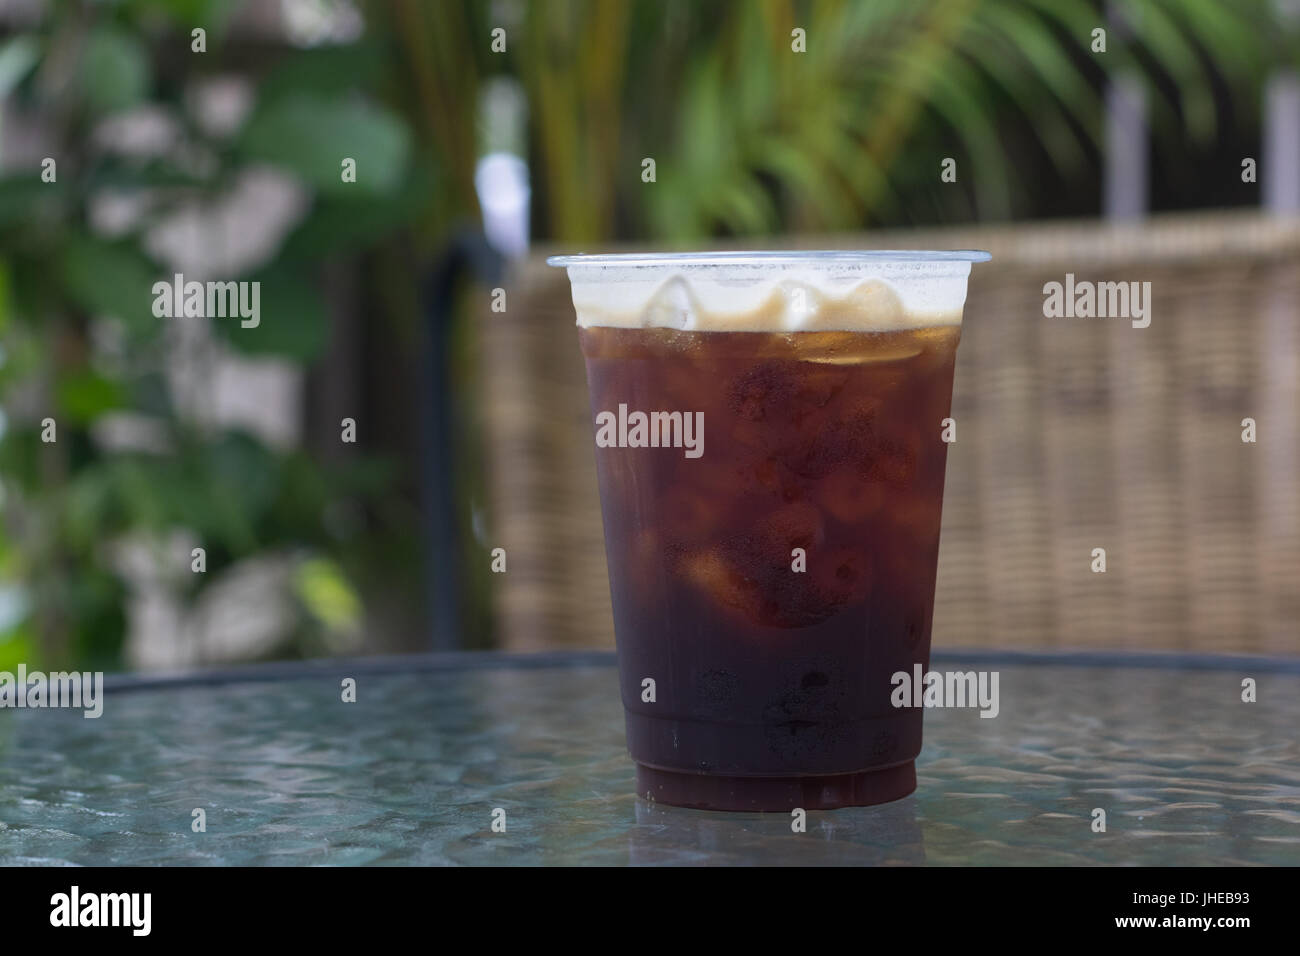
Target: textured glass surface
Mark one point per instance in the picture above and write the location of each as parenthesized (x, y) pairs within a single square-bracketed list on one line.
[(411, 773)]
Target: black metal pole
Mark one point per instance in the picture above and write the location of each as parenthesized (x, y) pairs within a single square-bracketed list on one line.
[(467, 257)]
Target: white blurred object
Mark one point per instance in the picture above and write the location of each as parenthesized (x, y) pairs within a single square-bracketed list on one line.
[(114, 213), (131, 431), (215, 387), (146, 132), (309, 23), (220, 104), (242, 614), (501, 177), (244, 227), (503, 194), (239, 230), (263, 395)]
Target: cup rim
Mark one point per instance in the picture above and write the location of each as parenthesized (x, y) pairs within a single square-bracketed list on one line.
[(768, 257)]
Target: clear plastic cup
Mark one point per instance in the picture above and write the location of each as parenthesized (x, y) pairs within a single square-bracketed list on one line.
[(770, 452)]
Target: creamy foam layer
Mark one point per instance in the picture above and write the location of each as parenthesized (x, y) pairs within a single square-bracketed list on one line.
[(801, 294)]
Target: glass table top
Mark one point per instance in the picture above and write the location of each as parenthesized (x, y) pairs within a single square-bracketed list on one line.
[(419, 767)]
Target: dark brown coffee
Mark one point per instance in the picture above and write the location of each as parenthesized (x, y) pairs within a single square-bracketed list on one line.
[(770, 587)]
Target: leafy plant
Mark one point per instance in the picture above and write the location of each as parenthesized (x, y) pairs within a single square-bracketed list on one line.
[(81, 343), (751, 137)]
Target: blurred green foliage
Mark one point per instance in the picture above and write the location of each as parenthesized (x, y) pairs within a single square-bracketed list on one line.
[(63, 283), (749, 138), (752, 138)]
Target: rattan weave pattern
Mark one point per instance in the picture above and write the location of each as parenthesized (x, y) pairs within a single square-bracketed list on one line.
[(1072, 434)]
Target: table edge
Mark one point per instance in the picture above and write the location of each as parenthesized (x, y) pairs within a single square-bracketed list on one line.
[(451, 661)]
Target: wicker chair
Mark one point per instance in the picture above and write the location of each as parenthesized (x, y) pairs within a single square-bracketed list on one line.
[(1072, 434)]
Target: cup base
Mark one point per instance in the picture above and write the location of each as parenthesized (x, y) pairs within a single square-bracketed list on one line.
[(708, 792)]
